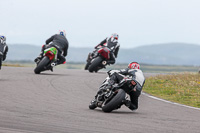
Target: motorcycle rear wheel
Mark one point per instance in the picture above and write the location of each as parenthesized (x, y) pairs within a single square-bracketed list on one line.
[(41, 65), (95, 64), (115, 101)]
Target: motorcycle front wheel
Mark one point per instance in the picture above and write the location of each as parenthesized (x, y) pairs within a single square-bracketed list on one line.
[(1, 61), (87, 65)]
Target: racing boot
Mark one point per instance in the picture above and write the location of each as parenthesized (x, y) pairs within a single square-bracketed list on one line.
[(93, 104), (110, 62), (38, 59), (128, 104)]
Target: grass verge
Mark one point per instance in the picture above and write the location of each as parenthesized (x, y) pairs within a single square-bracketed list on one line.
[(181, 88)]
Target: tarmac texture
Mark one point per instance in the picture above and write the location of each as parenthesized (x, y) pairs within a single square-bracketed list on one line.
[(57, 102)]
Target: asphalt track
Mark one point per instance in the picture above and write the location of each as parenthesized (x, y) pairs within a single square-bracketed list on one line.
[(58, 103)]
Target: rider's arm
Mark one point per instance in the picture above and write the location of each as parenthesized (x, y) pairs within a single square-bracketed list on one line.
[(50, 39), (5, 52), (124, 71), (104, 41)]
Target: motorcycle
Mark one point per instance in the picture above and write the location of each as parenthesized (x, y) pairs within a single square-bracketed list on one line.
[(110, 98), (2, 48), (47, 62), (1, 59), (98, 60)]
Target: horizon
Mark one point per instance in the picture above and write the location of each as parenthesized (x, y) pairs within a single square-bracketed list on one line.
[(172, 54), (121, 47)]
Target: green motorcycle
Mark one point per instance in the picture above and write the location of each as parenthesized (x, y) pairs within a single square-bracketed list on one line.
[(47, 62)]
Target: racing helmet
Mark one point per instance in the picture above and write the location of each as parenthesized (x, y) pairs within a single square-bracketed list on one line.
[(114, 36), (134, 65), (62, 32), (3, 38)]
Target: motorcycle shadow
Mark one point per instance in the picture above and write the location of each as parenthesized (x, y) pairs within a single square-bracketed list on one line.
[(3, 80), (117, 111), (101, 72), (53, 74)]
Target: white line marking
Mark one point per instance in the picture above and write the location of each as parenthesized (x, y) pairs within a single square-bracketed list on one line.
[(156, 98)]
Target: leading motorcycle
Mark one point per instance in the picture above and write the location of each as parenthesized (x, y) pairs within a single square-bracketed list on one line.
[(1, 58), (2, 49)]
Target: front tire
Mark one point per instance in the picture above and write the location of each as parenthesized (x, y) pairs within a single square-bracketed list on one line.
[(87, 65), (41, 65), (94, 65), (115, 102), (1, 61)]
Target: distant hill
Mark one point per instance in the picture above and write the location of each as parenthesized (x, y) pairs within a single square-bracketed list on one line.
[(163, 54)]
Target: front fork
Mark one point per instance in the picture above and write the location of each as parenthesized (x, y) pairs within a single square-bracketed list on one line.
[(89, 57)]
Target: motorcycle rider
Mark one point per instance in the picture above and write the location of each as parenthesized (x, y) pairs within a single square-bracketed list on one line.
[(111, 43), (60, 42), (134, 72), (3, 46)]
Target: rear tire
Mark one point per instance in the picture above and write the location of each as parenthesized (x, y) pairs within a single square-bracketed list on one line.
[(94, 64), (115, 102), (41, 65)]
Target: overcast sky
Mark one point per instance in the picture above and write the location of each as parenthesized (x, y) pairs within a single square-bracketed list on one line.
[(87, 22)]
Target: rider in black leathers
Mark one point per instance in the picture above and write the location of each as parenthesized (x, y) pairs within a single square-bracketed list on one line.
[(3, 46), (111, 43), (60, 42)]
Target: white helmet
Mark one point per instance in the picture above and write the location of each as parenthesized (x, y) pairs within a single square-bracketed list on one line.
[(62, 32), (114, 37)]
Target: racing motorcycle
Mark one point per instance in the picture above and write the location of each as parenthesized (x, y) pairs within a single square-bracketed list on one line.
[(108, 97), (2, 48), (98, 59), (1, 58), (47, 62)]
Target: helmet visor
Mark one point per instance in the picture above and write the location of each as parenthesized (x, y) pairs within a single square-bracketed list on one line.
[(115, 36)]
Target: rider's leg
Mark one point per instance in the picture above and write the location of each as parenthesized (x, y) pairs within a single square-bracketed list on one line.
[(112, 59), (61, 58), (133, 104)]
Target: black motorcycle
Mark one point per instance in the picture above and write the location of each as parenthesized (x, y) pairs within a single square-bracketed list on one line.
[(109, 97), (1, 59), (2, 48)]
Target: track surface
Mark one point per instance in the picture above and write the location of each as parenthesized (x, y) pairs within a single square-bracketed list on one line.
[(58, 103)]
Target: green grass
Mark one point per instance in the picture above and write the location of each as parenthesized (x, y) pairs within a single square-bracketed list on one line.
[(13, 65), (181, 88)]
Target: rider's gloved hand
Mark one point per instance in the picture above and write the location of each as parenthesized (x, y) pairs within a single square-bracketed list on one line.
[(96, 46)]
